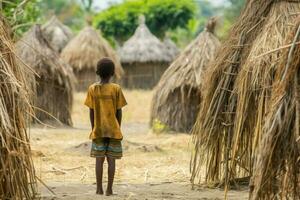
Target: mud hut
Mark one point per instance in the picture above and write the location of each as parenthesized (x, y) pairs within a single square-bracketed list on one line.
[(53, 80), (177, 96), (57, 33), (17, 175), (84, 51), (144, 58), (172, 49), (239, 100)]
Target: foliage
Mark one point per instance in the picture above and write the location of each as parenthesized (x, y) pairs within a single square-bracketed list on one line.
[(234, 10), (230, 15), (206, 10), (21, 14), (70, 12), (121, 20), (163, 15), (159, 127), (87, 4), (183, 36)]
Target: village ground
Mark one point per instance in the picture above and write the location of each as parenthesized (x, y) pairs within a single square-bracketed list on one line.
[(154, 166)]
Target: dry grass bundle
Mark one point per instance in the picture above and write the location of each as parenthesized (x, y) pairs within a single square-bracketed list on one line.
[(177, 97), (144, 47), (57, 33), (276, 173), (236, 98), (17, 175), (84, 51), (54, 81)]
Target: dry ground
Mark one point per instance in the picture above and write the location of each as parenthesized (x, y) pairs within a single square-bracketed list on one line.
[(154, 166)]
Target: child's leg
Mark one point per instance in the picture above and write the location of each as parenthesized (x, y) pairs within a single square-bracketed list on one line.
[(111, 174), (99, 174)]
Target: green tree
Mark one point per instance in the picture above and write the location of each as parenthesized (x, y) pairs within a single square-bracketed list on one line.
[(163, 15), (20, 13), (120, 21)]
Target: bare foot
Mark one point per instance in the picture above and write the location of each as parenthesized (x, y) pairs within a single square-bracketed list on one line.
[(99, 191), (109, 192)]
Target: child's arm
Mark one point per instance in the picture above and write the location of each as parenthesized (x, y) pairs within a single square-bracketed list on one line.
[(119, 116), (92, 118)]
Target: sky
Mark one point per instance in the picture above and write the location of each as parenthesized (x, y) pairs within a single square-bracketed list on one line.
[(102, 4)]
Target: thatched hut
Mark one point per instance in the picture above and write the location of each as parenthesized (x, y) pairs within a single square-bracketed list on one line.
[(57, 33), (240, 111), (144, 58), (84, 51), (177, 96), (53, 80), (17, 175)]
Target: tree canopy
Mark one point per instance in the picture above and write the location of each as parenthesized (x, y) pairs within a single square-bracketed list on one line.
[(120, 21), (21, 14), (181, 20)]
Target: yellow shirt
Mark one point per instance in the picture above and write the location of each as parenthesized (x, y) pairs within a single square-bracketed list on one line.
[(105, 99)]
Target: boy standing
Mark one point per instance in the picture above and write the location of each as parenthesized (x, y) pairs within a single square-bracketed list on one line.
[(105, 101)]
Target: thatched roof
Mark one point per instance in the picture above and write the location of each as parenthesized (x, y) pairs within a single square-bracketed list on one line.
[(36, 52), (144, 47), (171, 47), (183, 76), (87, 48), (234, 118), (17, 174), (57, 33)]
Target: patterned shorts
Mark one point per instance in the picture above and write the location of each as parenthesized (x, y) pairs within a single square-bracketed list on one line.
[(102, 147)]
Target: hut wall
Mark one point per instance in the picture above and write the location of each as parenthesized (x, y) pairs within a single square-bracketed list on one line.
[(52, 99), (180, 111), (143, 75), (85, 78)]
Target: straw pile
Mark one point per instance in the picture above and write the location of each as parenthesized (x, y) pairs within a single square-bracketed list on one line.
[(177, 96), (277, 166), (57, 33), (54, 77), (17, 176), (234, 119), (84, 51)]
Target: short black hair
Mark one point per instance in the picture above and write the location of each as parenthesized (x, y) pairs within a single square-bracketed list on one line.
[(105, 68)]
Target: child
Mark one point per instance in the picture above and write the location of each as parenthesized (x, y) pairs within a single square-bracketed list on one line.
[(105, 101)]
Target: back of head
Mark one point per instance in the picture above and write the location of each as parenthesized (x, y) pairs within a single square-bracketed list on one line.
[(105, 68)]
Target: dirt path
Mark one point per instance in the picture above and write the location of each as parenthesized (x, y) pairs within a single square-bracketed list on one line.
[(140, 192), (154, 166)]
